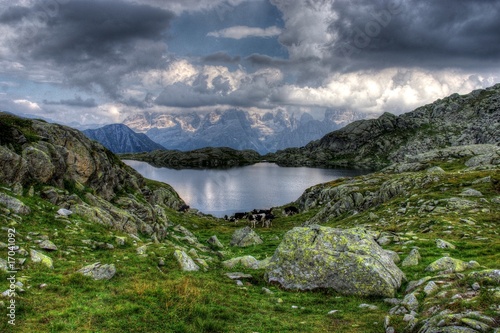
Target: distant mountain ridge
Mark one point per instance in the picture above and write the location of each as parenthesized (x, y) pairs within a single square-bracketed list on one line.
[(457, 120), (237, 129), (121, 139)]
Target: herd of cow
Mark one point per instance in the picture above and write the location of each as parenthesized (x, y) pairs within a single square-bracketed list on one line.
[(263, 216)]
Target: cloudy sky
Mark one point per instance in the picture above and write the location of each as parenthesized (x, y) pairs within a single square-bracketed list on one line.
[(98, 61)]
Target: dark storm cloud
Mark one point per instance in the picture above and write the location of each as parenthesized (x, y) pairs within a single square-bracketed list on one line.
[(93, 43), (77, 101), (221, 57), (425, 33)]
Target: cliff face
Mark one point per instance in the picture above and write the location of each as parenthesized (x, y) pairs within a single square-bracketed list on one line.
[(453, 121), (76, 173)]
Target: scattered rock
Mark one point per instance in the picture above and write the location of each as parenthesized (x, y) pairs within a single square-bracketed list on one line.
[(98, 271), (470, 192), (41, 258), (368, 306), (410, 302), (245, 237), (490, 276), (187, 264), (245, 261), (442, 244), (267, 291), (141, 250), (120, 240), (14, 204), (348, 261), (412, 259), (214, 242), (450, 265), (435, 169), (64, 212), (47, 245), (238, 276), (3, 265), (431, 288)]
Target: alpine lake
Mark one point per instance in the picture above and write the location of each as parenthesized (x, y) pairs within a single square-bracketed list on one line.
[(220, 192)]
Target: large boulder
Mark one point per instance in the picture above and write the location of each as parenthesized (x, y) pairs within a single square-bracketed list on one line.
[(14, 204), (348, 261), (245, 237)]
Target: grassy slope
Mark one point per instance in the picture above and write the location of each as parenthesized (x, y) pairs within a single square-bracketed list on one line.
[(143, 297)]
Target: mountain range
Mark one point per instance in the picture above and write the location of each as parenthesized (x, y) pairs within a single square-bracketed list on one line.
[(237, 129), (120, 139)]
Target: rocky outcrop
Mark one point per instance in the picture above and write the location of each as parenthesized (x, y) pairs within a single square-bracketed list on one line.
[(457, 120), (80, 175), (348, 261), (198, 159)]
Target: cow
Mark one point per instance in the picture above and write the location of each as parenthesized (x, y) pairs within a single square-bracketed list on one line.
[(240, 216), (291, 210), (183, 208)]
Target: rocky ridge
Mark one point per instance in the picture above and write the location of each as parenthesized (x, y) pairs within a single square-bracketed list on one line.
[(453, 121), (198, 159)]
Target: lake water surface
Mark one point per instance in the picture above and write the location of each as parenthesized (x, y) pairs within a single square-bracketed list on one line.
[(259, 186)]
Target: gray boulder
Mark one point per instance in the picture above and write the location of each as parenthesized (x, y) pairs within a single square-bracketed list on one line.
[(215, 243), (452, 265), (47, 245), (187, 264), (412, 259), (14, 204), (348, 261), (41, 258), (245, 237), (98, 271)]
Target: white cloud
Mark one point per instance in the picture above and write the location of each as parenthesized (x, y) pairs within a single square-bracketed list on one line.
[(395, 90), (241, 31), (28, 104)]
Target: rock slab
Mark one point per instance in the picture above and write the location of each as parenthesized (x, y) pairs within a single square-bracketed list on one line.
[(245, 237), (98, 271), (348, 261)]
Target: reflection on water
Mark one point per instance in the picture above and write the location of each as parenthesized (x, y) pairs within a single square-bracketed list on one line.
[(220, 192)]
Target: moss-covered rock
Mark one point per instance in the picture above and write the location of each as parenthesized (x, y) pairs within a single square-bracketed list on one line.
[(348, 261), (41, 258), (245, 237), (451, 265), (187, 264)]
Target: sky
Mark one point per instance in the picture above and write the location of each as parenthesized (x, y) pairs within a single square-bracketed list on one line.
[(100, 61)]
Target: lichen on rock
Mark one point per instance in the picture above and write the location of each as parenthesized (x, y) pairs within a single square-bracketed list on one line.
[(348, 261)]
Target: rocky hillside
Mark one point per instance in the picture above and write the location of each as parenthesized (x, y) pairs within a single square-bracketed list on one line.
[(63, 166), (120, 139), (453, 121), (198, 159)]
